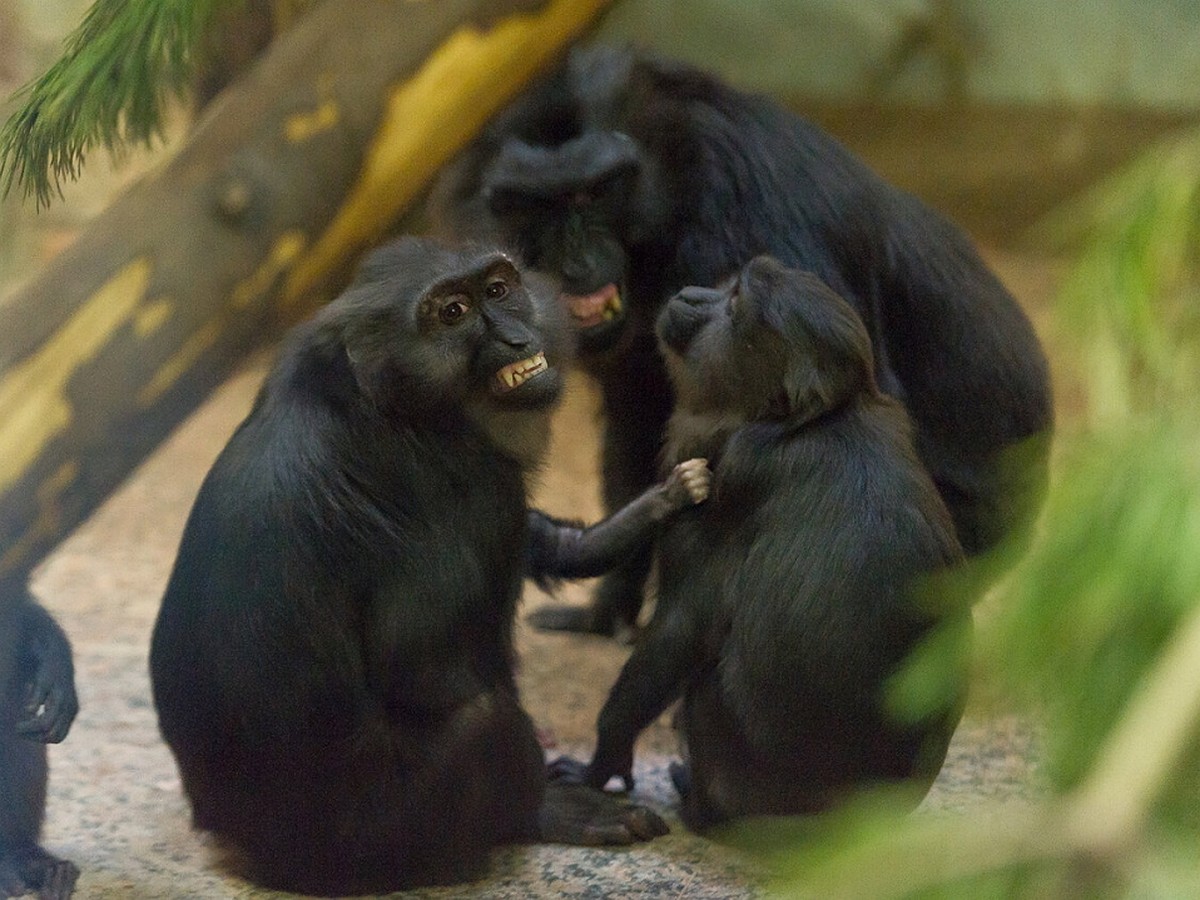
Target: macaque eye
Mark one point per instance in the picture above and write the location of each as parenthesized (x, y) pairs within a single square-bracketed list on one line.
[(452, 312), (495, 290)]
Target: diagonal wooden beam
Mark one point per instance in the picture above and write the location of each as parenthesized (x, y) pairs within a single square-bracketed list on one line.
[(287, 177)]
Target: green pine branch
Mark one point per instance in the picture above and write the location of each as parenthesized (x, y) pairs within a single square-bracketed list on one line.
[(119, 68)]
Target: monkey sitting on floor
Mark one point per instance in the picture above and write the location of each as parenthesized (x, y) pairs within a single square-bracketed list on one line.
[(37, 706), (333, 661), (787, 599)]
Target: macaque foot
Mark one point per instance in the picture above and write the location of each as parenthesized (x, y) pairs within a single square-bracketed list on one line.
[(568, 770), (584, 816), (34, 871), (563, 617), (580, 620)]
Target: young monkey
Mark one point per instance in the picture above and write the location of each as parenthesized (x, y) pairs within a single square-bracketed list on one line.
[(786, 601)]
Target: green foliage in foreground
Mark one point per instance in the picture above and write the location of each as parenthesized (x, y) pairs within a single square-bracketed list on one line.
[(1095, 632), (1131, 300), (1113, 576), (117, 72)]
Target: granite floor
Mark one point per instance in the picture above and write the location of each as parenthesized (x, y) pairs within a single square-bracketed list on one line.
[(115, 805)]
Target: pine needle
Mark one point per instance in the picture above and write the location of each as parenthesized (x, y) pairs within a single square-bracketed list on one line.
[(119, 68)]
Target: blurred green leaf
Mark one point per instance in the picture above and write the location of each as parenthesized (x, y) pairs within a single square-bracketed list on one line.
[(1090, 631), (1132, 301), (1116, 566)]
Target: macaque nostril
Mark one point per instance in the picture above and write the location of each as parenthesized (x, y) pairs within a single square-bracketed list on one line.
[(678, 324), (508, 329)]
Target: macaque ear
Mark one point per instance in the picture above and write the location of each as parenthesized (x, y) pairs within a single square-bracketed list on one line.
[(364, 376), (380, 349), (829, 350), (807, 393)]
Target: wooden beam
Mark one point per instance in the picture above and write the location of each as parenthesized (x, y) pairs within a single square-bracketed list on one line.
[(289, 175)]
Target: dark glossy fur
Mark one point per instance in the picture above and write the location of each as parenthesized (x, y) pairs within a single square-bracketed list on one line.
[(333, 663), (787, 600), (37, 705), (651, 175)]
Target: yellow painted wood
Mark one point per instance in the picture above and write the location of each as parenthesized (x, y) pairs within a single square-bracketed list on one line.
[(300, 127), (48, 479), (285, 12), (153, 315), (49, 519), (33, 404), (180, 362), (284, 251), (431, 116), (303, 126)]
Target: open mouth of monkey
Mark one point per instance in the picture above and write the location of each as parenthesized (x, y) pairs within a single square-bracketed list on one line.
[(596, 308), (516, 374)]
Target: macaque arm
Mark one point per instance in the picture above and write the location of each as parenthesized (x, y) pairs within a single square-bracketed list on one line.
[(560, 549)]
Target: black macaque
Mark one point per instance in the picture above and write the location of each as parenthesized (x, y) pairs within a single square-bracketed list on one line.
[(37, 706), (332, 664), (787, 599), (631, 177)]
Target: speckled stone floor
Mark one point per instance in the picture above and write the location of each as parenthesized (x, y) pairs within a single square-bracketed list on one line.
[(115, 804)]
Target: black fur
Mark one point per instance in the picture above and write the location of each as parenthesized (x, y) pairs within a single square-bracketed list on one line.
[(645, 174), (561, 549), (333, 663), (787, 600), (37, 705)]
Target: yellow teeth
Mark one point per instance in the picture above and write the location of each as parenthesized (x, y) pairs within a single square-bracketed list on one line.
[(589, 310), (612, 307), (516, 374)]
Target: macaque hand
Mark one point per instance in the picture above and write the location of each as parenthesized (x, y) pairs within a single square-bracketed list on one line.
[(689, 482)]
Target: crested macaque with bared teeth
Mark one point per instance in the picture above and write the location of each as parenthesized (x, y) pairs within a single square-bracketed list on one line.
[(630, 176), (333, 661)]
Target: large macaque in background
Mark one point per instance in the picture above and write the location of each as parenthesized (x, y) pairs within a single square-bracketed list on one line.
[(333, 660), (630, 177)]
